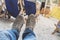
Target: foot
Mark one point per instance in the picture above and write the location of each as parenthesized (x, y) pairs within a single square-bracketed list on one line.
[(18, 23), (30, 23)]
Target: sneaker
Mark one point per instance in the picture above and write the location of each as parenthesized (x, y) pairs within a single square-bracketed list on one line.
[(18, 23), (30, 23)]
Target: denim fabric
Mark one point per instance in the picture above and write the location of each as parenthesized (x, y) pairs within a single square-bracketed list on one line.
[(28, 35), (30, 7), (12, 7), (13, 35), (9, 35)]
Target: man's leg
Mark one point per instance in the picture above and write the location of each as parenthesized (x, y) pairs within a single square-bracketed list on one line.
[(30, 7), (30, 24), (28, 35), (9, 35), (13, 34)]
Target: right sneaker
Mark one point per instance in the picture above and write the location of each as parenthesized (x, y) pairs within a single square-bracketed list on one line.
[(30, 23), (18, 23)]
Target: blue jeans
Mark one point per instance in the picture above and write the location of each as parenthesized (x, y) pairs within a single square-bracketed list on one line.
[(14, 35), (30, 7), (12, 7), (28, 35)]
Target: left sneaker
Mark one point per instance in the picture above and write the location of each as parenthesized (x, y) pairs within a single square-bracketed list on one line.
[(18, 23)]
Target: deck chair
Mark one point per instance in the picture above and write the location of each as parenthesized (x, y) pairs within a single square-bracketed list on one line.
[(12, 7)]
